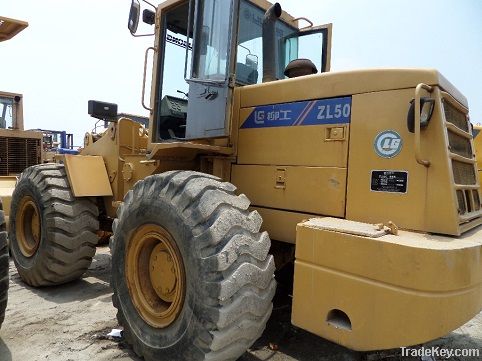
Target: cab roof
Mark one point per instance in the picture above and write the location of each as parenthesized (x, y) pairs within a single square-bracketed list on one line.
[(10, 27)]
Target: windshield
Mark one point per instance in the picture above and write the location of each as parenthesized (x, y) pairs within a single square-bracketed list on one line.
[(249, 62)]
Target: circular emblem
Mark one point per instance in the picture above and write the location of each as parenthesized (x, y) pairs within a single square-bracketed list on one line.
[(388, 144)]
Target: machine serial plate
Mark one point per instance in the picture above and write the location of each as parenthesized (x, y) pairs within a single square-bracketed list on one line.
[(390, 181)]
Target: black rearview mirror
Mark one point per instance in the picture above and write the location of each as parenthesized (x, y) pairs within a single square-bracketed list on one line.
[(134, 16), (149, 17)]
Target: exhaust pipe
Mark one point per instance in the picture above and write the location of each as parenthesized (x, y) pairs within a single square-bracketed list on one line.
[(269, 42)]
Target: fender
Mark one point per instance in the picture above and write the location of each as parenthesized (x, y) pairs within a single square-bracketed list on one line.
[(87, 176)]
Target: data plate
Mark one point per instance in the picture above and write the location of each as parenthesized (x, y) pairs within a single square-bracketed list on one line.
[(389, 181)]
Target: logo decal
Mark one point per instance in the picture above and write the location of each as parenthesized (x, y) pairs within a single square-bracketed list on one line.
[(314, 112), (388, 144)]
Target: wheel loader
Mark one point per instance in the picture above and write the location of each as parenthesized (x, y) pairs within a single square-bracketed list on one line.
[(365, 180), (10, 117), (19, 148)]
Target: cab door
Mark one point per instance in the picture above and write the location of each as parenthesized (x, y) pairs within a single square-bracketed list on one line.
[(211, 77)]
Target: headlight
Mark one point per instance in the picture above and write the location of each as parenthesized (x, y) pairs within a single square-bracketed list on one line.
[(427, 106)]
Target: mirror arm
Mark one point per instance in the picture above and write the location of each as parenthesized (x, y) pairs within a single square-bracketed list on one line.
[(148, 3), (142, 35), (305, 19)]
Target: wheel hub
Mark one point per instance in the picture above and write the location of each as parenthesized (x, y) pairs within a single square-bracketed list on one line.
[(28, 227), (155, 275), (163, 273)]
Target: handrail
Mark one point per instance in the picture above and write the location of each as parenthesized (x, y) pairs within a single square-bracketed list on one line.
[(144, 78), (418, 155)]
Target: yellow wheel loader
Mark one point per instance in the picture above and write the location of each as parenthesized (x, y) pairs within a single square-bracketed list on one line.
[(10, 142), (365, 180), (19, 148)]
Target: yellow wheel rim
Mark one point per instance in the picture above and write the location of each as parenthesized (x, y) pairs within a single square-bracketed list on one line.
[(28, 227), (155, 275)]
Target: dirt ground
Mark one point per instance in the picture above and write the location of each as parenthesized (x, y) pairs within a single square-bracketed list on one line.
[(70, 323)]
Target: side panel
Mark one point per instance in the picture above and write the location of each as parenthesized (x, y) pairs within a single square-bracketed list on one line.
[(313, 190), (87, 176), (424, 200), (281, 225), (292, 159), (323, 145)]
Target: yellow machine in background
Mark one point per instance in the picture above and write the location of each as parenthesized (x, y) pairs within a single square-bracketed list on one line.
[(11, 141), (365, 180), (19, 149)]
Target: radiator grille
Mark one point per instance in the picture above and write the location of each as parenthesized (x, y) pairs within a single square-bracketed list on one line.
[(475, 194), (456, 117), (463, 162), (463, 173), (16, 154), (461, 202), (460, 145)]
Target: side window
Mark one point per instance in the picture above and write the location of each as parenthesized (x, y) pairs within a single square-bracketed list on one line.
[(306, 47), (176, 47), (174, 54), (6, 112), (249, 62), (310, 44), (211, 40)]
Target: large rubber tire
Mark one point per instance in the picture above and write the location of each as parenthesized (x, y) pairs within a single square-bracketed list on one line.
[(67, 227), (229, 275), (3, 266)]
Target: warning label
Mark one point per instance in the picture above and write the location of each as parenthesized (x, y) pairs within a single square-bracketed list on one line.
[(390, 181)]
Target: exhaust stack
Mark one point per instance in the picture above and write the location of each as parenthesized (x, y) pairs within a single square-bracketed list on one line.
[(269, 42)]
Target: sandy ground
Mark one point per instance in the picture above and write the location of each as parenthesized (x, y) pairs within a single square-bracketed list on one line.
[(70, 323)]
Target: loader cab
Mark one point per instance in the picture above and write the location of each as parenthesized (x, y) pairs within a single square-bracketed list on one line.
[(206, 48), (11, 116)]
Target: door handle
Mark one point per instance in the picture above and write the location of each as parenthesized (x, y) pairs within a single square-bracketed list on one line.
[(209, 94)]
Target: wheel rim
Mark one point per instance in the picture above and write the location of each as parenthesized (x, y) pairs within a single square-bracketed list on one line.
[(28, 227), (155, 275)]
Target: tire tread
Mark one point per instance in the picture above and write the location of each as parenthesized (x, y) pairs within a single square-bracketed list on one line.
[(4, 265), (237, 272), (70, 223)]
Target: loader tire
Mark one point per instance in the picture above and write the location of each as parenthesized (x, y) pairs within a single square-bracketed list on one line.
[(3, 266), (191, 273), (52, 233)]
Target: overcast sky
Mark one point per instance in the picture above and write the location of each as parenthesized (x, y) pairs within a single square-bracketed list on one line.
[(75, 50)]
